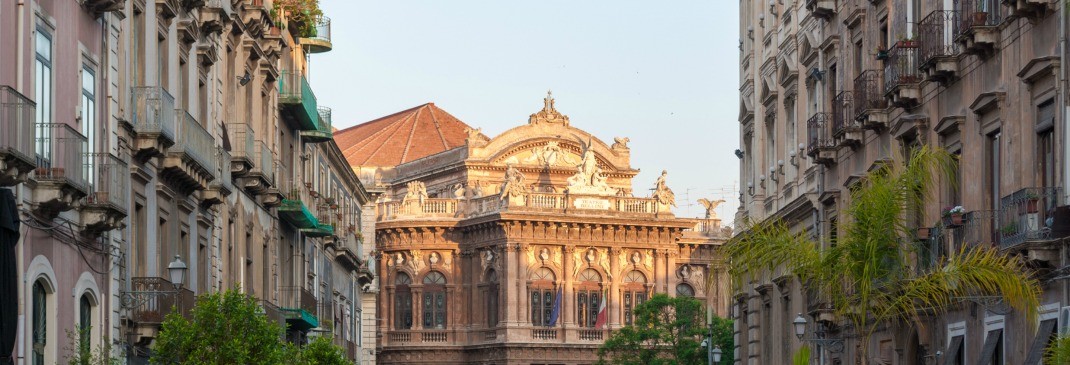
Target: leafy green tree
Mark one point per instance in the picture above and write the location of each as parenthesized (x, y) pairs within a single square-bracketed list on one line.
[(224, 328), (869, 276), (322, 352), (666, 331), (722, 337)]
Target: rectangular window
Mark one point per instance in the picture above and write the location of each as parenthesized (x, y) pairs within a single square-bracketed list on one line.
[(992, 160), (89, 111), (954, 189), (162, 59), (43, 83), (1046, 143)]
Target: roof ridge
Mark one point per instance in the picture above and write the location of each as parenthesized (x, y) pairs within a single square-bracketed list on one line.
[(438, 128), (385, 116), (412, 132), (395, 125)]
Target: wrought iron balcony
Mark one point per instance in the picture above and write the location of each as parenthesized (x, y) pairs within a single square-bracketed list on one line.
[(109, 184), (869, 104), (902, 75), (152, 298), (319, 38), (192, 161), (823, 9), (60, 174), (299, 307), (242, 148), (16, 136), (845, 130), (273, 196), (325, 312), (323, 132), (153, 118), (820, 146), (297, 100), (222, 186), (272, 312), (978, 27), (262, 176), (978, 228), (1027, 216), (939, 51)]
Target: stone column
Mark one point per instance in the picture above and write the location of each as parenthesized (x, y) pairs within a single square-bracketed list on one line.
[(567, 310), (417, 307), (659, 272), (511, 267), (670, 271), (520, 286), (614, 305)]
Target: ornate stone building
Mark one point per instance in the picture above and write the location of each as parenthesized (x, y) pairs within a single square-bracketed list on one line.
[(479, 239), (830, 89)]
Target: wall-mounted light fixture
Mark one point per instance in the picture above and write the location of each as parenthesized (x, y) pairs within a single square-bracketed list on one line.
[(773, 174), (750, 188)]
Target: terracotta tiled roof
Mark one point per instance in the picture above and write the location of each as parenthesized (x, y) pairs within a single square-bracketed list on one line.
[(401, 137)]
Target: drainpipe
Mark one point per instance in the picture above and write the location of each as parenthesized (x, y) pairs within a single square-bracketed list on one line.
[(1064, 111), (821, 169)]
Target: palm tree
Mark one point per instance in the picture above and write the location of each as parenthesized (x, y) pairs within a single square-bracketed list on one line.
[(868, 275)]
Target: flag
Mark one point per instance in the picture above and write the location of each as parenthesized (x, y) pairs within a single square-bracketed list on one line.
[(600, 320), (556, 311)]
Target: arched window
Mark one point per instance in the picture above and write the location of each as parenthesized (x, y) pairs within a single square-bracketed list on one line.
[(588, 297), (542, 297), (685, 290), (491, 298), (85, 322), (434, 300), (634, 288), (40, 322), (402, 302)]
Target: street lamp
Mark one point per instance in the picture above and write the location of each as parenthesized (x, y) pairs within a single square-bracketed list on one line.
[(717, 354), (820, 339), (800, 326), (177, 271)]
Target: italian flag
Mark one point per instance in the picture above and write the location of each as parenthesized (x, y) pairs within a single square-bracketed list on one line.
[(600, 320)]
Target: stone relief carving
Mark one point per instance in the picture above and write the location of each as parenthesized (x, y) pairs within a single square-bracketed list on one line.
[(433, 258), (487, 259), (648, 261), (620, 143), (550, 155), (447, 260), (417, 262), (665, 197), (603, 260), (530, 251), (549, 113), (577, 261), (694, 275), (475, 137)]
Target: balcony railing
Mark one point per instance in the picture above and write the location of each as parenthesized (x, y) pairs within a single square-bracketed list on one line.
[(818, 134), (901, 68), (297, 95), (60, 151), (842, 109), (935, 35), (153, 298), (299, 298), (17, 114), (264, 162), (1026, 215), (272, 312), (109, 179), (242, 142), (591, 335), (977, 13), (153, 111), (869, 92), (550, 203), (195, 142), (319, 37), (323, 131)]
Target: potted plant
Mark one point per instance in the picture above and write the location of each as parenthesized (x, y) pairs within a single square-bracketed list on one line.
[(1009, 230), (1032, 201), (980, 17), (907, 42), (953, 216), (882, 54), (924, 233)]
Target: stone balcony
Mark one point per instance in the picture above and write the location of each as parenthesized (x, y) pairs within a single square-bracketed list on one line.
[(939, 52), (192, 162), (153, 120), (109, 187), (977, 30), (1032, 9), (223, 185), (261, 176), (535, 203), (822, 9), (243, 150), (319, 38), (16, 136), (60, 176)]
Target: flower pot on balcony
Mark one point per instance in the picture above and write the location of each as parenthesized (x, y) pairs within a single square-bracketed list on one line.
[(906, 44), (924, 233), (953, 220), (980, 18), (882, 54), (1031, 206)]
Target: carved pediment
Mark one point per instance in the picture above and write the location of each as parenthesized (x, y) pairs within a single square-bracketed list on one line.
[(549, 113), (545, 154)]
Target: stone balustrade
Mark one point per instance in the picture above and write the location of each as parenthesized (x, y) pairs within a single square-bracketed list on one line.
[(549, 203)]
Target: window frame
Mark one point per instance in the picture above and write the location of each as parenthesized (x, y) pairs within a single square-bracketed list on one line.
[(402, 301)]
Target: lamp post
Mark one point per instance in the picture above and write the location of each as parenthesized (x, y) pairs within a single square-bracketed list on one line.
[(820, 338), (151, 294), (177, 272)]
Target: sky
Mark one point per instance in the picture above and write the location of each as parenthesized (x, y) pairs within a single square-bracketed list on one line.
[(662, 73)]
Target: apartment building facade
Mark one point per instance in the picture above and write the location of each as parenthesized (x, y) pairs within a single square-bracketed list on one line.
[(137, 135), (831, 88)]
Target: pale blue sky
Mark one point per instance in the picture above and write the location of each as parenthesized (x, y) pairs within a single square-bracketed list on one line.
[(663, 73)]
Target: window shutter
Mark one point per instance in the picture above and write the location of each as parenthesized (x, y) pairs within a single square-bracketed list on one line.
[(1040, 342), (952, 349), (989, 348), (1045, 116)]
